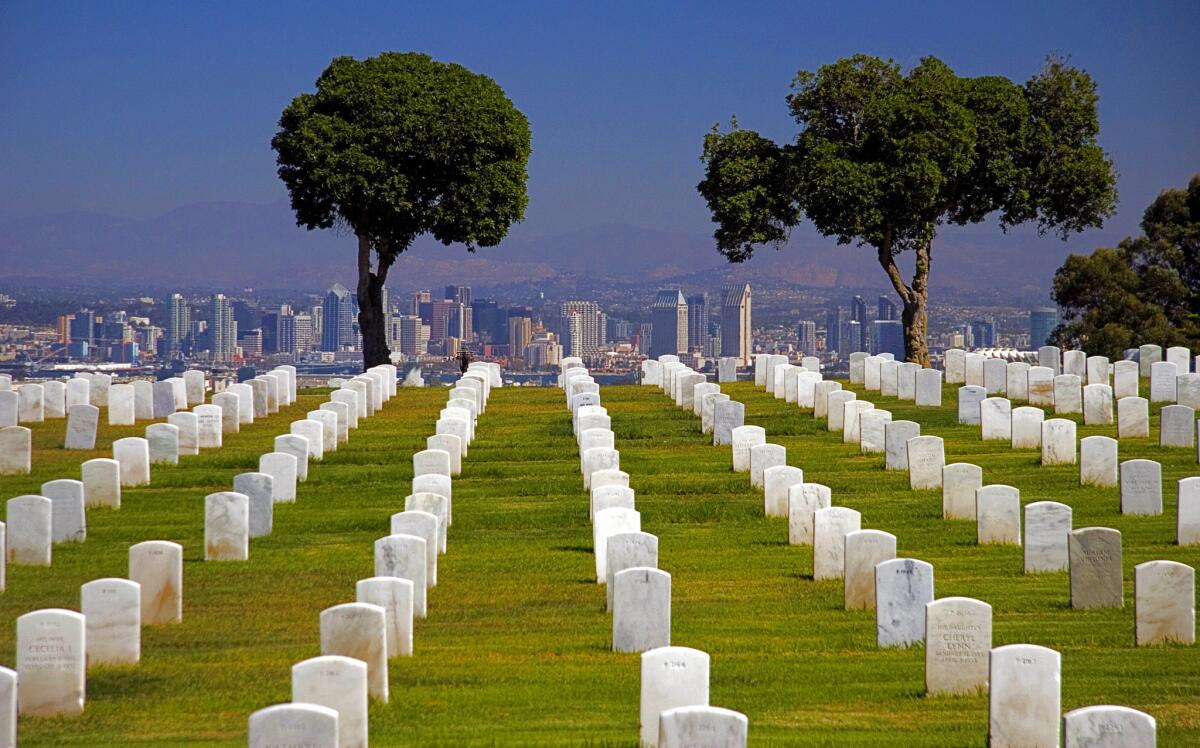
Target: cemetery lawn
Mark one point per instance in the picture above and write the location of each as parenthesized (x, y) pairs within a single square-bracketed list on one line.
[(515, 650)]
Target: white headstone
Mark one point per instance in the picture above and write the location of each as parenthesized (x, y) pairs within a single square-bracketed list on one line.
[(1016, 380), (777, 481), (605, 524), (359, 630), (28, 530), (189, 431), (113, 612), (405, 556), (1047, 525), (395, 596), (864, 550), (1068, 394), (958, 641), (1050, 357), (672, 677), (340, 684), (641, 609), (31, 403), (1097, 405), (975, 362), (1177, 427), (1024, 696), (960, 481), (1163, 375), (995, 419), (804, 499), (1097, 461), (998, 515), (1133, 417), (1108, 727), (309, 725), (969, 398), (995, 376), (851, 427), (1098, 370), (82, 422), (1164, 603), (157, 567), (1125, 379), (903, 587), (896, 436), (69, 520), (424, 525), (1094, 555), (1058, 442), (259, 490), (1187, 525), (1039, 386), (1141, 487), (836, 407), (926, 458), (51, 663), (702, 727), (295, 445), (16, 450), (226, 526), (626, 550), (830, 526), (282, 467)]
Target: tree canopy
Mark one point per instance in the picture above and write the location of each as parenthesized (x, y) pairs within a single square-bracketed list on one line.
[(1147, 290), (397, 146), (883, 158)]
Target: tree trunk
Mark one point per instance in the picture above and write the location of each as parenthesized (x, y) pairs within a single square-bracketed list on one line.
[(372, 317), (914, 297)]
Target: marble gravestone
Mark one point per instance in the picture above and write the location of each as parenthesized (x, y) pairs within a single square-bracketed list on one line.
[(405, 556), (1148, 356), (777, 483), (1050, 357), (8, 705), (101, 479), (830, 527), (230, 405), (209, 426), (395, 596), (804, 499), (960, 481), (727, 369), (1068, 394), (68, 518), (888, 384), (1095, 566), (926, 458), (157, 567), (259, 490), (1106, 726), (727, 416), (626, 550), (16, 450), (956, 366), (708, 411), (359, 631), (28, 530), (133, 455), (1177, 427), (836, 407), (314, 434), (296, 446), (54, 399), (194, 385), (31, 404), (8, 408), (975, 363), (995, 376), (309, 725), (1133, 417), (821, 392), (1016, 380), (906, 381), (872, 431), (851, 427), (995, 419), (1027, 427), (121, 405), (226, 526), (1024, 696), (1097, 405), (1187, 524), (1164, 603), (895, 437), (1074, 362), (1047, 525), (78, 391), (929, 388), (1097, 461), (339, 684), (702, 727), (189, 431), (1141, 487), (1058, 442), (51, 663), (1039, 386), (82, 423), (903, 587), (763, 456), (671, 677), (641, 610), (1125, 379), (143, 399), (998, 515), (435, 504), (958, 641), (164, 398), (864, 550), (1163, 376), (112, 609), (245, 396), (969, 399)]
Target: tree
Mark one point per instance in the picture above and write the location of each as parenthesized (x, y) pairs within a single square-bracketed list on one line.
[(1147, 290), (884, 158), (397, 146)]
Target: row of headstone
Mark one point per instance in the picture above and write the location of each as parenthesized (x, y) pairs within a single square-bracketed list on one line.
[(331, 692)]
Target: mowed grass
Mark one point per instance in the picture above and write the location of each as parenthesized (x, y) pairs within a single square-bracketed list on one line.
[(516, 647)]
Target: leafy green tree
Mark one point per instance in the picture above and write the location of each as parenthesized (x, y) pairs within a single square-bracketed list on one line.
[(397, 146), (884, 158), (1147, 290)]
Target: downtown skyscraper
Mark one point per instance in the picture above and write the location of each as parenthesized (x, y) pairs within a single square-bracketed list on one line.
[(735, 322), (337, 320), (223, 329)]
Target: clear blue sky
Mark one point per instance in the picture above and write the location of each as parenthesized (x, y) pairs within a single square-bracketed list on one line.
[(134, 108)]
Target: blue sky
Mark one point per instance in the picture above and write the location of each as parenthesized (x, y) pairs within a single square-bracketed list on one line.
[(134, 108)]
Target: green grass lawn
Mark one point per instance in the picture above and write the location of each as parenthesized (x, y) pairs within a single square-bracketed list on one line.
[(516, 647)]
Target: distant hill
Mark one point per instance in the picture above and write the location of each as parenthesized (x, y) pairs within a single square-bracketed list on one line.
[(231, 245)]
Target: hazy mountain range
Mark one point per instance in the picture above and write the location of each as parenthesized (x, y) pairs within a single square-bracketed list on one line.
[(235, 245)]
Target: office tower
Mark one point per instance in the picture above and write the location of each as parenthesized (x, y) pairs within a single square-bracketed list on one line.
[(83, 326), (318, 317), (645, 336), (489, 321), (413, 335), (385, 306), (806, 338), (178, 326), (544, 350), (245, 315), (834, 320), (459, 322), (858, 309), (270, 332), (337, 320), (735, 322), (1042, 322), (250, 342), (581, 324), (520, 332), (854, 336), (889, 337), (983, 333), (887, 308), (459, 294), (669, 320), (419, 298), (305, 333), (713, 349), (224, 329), (697, 316)]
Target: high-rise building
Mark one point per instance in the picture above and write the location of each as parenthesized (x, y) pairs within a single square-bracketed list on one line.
[(544, 350), (834, 320), (178, 326), (854, 336), (250, 342), (520, 332), (889, 337), (459, 322), (983, 334), (337, 320), (385, 306), (223, 329), (669, 317), (1042, 322), (412, 335), (806, 338), (245, 315), (459, 294), (581, 325), (735, 322), (305, 333), (697, 311), (858, 309), (489, 321), (419, 298), (887, 308), (83, 326)]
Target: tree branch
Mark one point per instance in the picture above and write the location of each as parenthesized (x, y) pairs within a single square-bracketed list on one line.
[(888, 262)]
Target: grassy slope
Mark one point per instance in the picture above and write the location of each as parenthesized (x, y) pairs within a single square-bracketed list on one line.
[(515, 650)]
